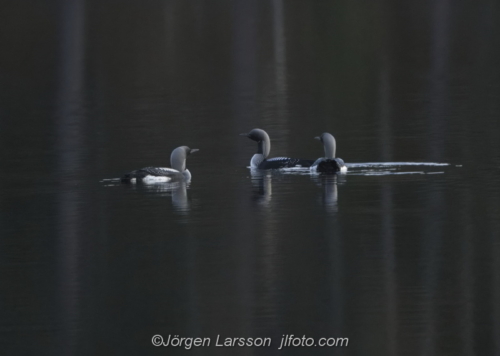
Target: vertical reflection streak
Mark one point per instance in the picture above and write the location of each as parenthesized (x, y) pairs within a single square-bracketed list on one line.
[(336, 260), (269, 251), (496, 291), (243, 57), (244, 71), (270, 258), (275, 112), (170, 26), (194, 314), (280, 56), (280, 116), (387, 210), (70, 154), (433, 224), (433, 235), (466, 279), (439, 83), (495, 265), (279, 45)]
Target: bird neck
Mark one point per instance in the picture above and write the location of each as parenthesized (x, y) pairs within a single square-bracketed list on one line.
[(256, 160), (264, 147), (178, 163), (329, 148)]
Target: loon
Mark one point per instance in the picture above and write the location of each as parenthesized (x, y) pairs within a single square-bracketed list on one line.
[(328, 164), (160, 174), (260, 160)]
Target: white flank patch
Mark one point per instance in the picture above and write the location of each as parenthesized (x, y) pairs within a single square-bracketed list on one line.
[(343, 169), (297, 168), (155, 179)]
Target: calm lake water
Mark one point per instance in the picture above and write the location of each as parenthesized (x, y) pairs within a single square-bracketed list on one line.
[(403, 259)]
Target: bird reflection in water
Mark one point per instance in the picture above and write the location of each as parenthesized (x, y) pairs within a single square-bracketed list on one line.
[(262, 183), (177, 190), (263, 187), (329, 198)]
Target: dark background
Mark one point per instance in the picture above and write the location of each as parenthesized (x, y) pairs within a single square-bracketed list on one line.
[(402, 264)]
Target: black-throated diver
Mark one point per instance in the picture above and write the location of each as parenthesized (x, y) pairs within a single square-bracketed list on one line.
[(328, 164), (260, 160), (162, 174)]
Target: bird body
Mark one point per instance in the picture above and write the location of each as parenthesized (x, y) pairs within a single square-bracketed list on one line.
[(163, 174), (260, 160), (328, 164)]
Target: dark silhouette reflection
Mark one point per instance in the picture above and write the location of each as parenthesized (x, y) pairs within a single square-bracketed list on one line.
[(71, 149), (467, 278), (495, 270), (387, 206), (263, 187), (433, 231), (439, 83), (329, 197)]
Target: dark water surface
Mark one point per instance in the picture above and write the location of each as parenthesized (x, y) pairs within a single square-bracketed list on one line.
[(401, 264)]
